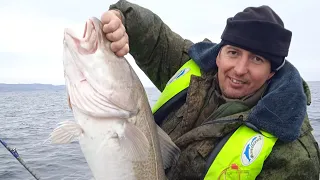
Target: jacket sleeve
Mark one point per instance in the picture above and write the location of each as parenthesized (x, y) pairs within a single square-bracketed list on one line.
[(157, 50), (294, 161)]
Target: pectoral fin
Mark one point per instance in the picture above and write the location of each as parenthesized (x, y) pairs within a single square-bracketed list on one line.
[(65, 132), (133, 142), (169, 151)]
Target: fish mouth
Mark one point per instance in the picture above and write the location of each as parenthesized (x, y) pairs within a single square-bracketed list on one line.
[(88, 43)]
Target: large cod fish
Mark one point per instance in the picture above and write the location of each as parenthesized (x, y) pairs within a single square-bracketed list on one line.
[(113, 120)]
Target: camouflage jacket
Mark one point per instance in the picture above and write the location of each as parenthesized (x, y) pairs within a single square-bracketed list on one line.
[(160, 52)]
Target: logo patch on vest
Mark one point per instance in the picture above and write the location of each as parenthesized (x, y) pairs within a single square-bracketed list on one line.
[(178, 74), (252, 150)]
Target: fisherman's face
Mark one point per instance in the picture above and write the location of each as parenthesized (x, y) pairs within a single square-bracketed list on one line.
[(240, 72)]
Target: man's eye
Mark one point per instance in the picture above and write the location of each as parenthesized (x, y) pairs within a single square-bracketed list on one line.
[(233, 53), (258, 59)]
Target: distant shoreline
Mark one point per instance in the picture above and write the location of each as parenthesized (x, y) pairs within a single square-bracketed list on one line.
[(29, 87), (5, 87)]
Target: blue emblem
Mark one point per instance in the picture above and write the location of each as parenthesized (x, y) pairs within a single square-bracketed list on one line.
[(247, 149), (178, 75), (251, 150)]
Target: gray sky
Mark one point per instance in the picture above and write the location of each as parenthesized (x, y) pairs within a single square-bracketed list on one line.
[(31, 31)]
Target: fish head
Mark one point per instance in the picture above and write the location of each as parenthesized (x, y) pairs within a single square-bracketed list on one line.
[(81, 52), (88, 60)]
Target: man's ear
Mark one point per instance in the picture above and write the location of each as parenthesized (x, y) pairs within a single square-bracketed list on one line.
[(270, 75), (218, 60)]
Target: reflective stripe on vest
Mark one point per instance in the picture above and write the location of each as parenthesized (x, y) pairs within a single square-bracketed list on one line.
[(243, 155)]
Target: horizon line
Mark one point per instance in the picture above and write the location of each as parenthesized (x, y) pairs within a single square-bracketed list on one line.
[(48, 84)]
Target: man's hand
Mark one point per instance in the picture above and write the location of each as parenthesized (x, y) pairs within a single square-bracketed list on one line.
[(115, 32)]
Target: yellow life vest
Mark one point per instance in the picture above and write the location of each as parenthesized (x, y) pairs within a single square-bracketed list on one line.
[(243, 154), (175, 91)]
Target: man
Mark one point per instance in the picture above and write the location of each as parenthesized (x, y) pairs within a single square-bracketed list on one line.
[(236, 109)]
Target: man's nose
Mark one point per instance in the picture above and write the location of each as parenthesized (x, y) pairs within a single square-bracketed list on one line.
[(241, 66)]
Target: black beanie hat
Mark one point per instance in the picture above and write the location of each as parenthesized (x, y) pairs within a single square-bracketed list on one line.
[(261, 31)]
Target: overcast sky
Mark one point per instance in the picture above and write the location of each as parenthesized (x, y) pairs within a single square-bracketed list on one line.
[(32, 30)]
